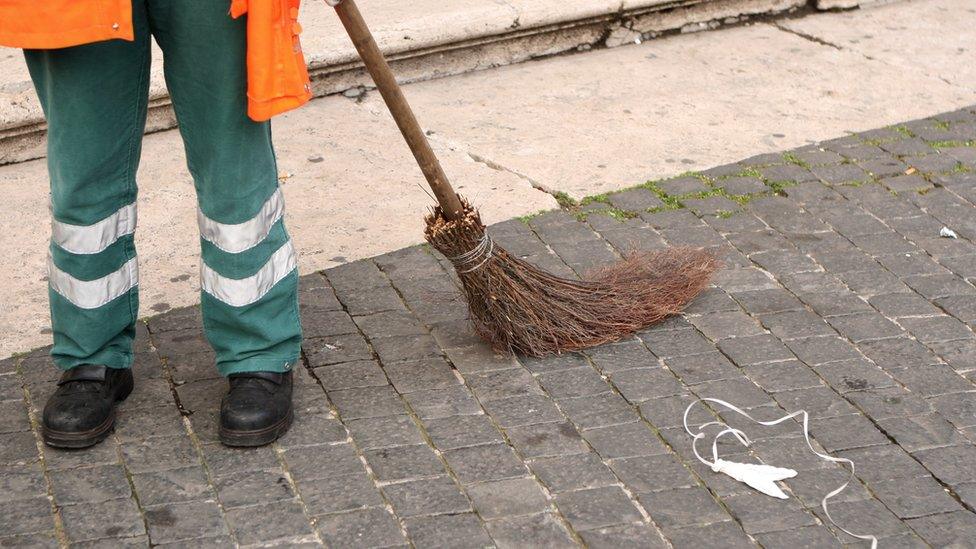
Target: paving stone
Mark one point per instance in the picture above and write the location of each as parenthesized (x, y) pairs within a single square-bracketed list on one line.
[(572, 472), (740, 390), (889, 402), (635, 200), (668, 412), (502, 384), (601, 410), (312, 462), (184, 521), (462, 530), (430, 374), (807, 536), (572, 383), (682, 186), (443, 403), (462, 431), (87, 521), (853, 375), (404, 462), (717, 326), (795, 325), (914, 497), (172, 486), (507, 498), (674, 343), (958, 408), (782, 376), (682, 507), (336, 350), (935, 329), (546, 439), (811, 487), (784, 262), (267, 522), (222, 460), (523, 410), (484, 463), (367, 402), (90, 485), (240, 489), (26, 516), (902, 305), (720, 534), (766, 301), (861, 327), (640, 384), (946, 530), (36, 541), (374, 527), (313, 425), (846, 432), (921, 432), (897, 353), (700, 368), (18, 482), (597, 507), (350, 375), (540, 530), (758, 513), (623, 441), (384, 432), (932, 380), (405, 348), (339, 493), (432, 496), (159, 453), (653, 473), (951, 465)]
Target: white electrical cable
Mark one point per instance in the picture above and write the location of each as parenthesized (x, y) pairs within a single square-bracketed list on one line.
[(761, 476)]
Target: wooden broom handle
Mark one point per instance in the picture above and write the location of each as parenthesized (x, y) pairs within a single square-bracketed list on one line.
[(379, 69)]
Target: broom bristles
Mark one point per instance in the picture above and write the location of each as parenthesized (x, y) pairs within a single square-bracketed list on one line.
[(517, 307)]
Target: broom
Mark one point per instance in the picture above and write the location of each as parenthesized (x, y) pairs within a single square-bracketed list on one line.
[(515, 306)]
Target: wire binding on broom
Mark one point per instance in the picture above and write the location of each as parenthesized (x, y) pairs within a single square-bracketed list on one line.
[(519, 308)]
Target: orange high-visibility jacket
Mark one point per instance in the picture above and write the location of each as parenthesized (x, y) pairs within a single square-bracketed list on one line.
[(277, 78)]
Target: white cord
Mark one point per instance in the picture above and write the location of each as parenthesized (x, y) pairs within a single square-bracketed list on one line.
[(741, 436)]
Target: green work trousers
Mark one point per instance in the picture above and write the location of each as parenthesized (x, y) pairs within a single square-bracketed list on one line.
[(94, 97)]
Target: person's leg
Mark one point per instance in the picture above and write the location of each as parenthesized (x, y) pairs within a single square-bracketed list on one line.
[(249, 279), (94, 98)]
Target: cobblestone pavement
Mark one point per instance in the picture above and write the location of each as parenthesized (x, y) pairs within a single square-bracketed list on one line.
[(839, 297)]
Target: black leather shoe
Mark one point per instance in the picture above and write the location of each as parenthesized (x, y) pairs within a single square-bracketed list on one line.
[(257, 409), (81, 412)]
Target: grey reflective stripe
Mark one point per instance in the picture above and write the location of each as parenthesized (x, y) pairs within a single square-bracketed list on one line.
[(243, 236), (244, 291), (91, 239), (92, 294)]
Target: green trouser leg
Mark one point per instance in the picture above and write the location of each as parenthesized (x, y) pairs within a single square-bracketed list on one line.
[(94, 98), (248, 274)]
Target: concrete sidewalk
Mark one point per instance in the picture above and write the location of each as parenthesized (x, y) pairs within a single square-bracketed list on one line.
[(838, 297), (515, 137)]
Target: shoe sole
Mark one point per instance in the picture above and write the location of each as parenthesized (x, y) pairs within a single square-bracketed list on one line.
[(257, 437), (85, 439)]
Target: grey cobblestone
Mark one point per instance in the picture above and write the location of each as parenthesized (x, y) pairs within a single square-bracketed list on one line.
[(838, 297)]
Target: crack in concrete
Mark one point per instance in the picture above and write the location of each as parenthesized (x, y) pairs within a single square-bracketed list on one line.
[(809, 37)]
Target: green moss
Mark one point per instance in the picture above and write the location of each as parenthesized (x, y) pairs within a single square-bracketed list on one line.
[(597, 198), (779, 187), (942, 124), (564, 200), (903, 130), (792, 158), (724, 214)]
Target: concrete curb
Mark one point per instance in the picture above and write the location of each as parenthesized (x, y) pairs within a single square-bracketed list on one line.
[(442, 42)]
